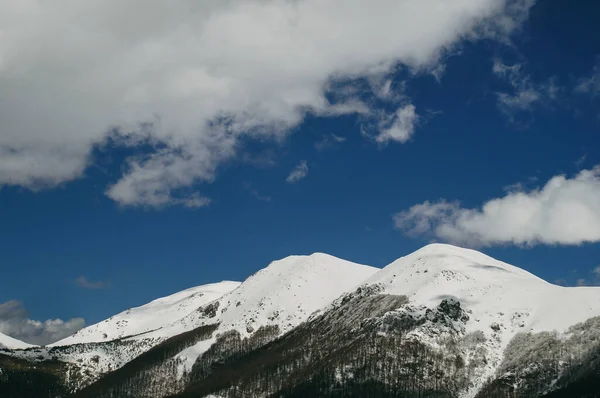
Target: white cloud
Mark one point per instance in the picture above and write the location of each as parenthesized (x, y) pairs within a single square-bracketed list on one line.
[(520, 101), (15, 323), (591, 83), (329, 141), (398, 127), (254, 192), (384, 87), (566, 211), (438, 72), (198, 76), (85, 283), (594, 280), (580, 161), (525, 94), (300, 172), (424, 218)]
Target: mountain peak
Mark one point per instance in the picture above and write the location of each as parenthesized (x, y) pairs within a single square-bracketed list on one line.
[(444, 249), (284, 294), (441, 256), (447, 267), (298, 266), (293, 284), (493, 292)]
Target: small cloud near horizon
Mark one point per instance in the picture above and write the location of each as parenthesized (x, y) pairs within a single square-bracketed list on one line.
[(85, 283), (15, 322)]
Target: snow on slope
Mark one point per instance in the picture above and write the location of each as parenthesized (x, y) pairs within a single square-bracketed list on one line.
[(12, 343), (501, 299), (493, 290), (285, 294), (288, 291), (152, 316)]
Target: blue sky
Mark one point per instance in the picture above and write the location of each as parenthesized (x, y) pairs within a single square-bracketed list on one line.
[(92, 226)]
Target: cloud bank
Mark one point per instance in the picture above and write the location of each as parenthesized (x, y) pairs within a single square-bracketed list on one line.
[(190, 79), (15, 323), (566, 211)]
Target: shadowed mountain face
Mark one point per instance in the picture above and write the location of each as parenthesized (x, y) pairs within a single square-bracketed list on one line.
[(440, 322)]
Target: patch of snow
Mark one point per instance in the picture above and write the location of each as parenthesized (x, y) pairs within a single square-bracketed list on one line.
[(188, 357), (149, 317), (12, 343)]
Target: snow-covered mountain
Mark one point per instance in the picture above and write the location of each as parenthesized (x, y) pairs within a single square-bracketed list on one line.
[(480, 325), (288, 291), (284, 294), (491, 290), (150, 317), (12, 343), (501, 299)]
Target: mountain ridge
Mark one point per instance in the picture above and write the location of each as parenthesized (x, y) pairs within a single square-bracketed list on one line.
[(437, 295), (151, 316)]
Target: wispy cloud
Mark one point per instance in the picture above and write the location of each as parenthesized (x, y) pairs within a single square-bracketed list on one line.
[(262, 160), (399, 126), (438, 72), (593, 280), (14, 322), (582, 282), (596, 275), (385, 88), (194, 201), (580, 161), (523, 100), (590, 84), (525, 94), (298, 173), (329, 141), (85, 283), (254, 192)]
